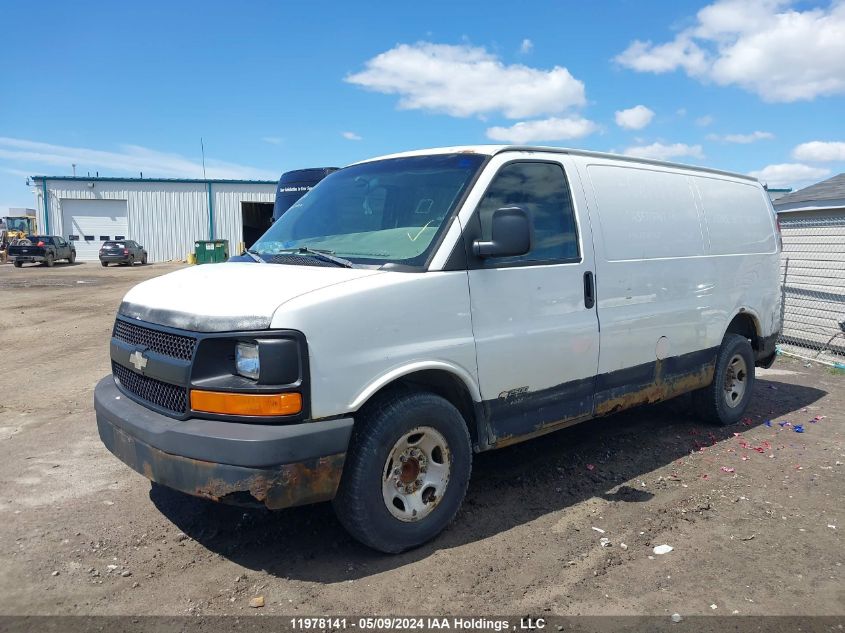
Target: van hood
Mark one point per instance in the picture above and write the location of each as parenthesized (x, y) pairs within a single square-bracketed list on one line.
[(230, 296)]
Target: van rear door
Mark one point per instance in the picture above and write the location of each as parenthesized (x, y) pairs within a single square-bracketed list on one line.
[(537, 339)]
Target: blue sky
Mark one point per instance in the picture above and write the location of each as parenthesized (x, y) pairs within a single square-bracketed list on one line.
[(753, 86)]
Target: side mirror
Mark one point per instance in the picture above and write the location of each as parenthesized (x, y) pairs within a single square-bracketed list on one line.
[(511, 234)]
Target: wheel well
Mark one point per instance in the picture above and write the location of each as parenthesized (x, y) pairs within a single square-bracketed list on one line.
[(444, 384), (745, 325)]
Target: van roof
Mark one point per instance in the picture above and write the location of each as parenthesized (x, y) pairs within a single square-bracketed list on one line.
[(492, 150)]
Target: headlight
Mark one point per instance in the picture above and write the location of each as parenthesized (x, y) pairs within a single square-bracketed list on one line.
[(247, 363)]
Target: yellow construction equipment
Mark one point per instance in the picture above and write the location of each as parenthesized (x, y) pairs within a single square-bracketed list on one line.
[(14, 228)]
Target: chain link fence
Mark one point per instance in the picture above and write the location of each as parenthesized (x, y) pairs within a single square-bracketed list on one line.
[(813, 275)]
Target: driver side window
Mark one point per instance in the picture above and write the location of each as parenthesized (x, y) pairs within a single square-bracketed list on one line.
[(542, 191)]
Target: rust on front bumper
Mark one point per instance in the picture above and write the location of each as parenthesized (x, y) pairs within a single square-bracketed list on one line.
[(275, 487)]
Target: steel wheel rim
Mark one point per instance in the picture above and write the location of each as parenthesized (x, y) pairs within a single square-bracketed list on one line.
[(736, 381), (416, 474)]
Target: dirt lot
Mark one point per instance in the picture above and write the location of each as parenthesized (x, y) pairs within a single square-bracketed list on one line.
[(754, 513)]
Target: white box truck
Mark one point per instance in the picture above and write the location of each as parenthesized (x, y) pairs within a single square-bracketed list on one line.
[(417, 308)]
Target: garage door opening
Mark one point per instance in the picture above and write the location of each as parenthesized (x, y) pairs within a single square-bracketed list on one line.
[(257, 218), (89, 223)]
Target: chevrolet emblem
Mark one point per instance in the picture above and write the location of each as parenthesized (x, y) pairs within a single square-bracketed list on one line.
[(138, 361)]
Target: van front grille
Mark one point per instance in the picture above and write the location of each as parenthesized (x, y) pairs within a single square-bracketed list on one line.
[(172, 345), (162, 394)]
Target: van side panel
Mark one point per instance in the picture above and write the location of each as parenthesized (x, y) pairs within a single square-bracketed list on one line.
[(674, 265), (740, 224), (645, 213), (737, 218)]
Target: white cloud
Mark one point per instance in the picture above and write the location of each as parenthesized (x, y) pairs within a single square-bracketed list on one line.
[(635, 118), (661, 151), (820, 151), (704, 121), (645, 57), (553, 129), (351, 136), (742, 139), (793, 175), (526, 47), (16, 172), (464, 80), (132, 159), (766, 47), (273, 140)]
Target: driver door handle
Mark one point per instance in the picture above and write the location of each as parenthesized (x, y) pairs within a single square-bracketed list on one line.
[(589, 290)]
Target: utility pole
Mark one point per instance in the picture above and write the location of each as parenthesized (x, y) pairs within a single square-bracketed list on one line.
[(202, 147)]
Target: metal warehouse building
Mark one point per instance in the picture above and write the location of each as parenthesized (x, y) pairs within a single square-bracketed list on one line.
[(166, 216)]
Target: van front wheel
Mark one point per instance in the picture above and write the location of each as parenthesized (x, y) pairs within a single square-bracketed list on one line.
[(725, 400), (406, 471)]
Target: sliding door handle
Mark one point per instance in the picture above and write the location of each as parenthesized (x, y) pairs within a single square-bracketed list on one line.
[(589, 290)]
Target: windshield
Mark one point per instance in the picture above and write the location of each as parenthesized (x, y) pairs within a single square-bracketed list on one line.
[(17, 224), (374, 213)]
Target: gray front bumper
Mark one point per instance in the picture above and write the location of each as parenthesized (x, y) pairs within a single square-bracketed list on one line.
[(275, 465)]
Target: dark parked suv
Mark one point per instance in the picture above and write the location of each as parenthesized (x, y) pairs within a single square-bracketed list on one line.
[(122, 252)]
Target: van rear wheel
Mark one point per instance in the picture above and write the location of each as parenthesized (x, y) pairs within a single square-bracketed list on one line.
[(726, 399), (406, 471)]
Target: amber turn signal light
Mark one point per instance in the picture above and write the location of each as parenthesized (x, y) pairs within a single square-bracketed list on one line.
[(264, 404)]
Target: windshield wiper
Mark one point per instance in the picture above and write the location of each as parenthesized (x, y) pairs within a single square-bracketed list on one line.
[(256, 257), (326, 256)]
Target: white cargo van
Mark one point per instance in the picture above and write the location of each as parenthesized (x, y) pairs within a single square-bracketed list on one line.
[(415, 308)]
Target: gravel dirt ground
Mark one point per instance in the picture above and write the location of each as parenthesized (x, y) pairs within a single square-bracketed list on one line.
[(755, 513)]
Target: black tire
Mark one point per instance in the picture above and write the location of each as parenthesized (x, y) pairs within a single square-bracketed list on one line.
[(711, 403), (360, 504), (48, 260), (104, 264), (131, 260), (144, 259), (72, 258), (18, 264)]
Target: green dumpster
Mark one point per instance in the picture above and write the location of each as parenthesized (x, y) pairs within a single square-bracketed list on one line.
[(211, 251)]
